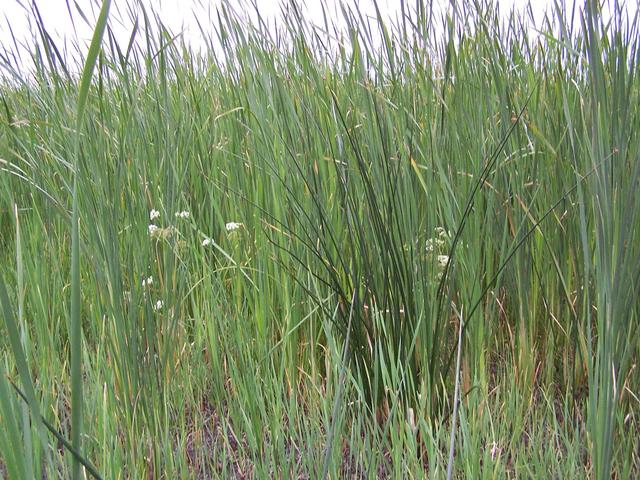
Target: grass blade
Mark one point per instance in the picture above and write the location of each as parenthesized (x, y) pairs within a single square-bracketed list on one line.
[(77, 401)]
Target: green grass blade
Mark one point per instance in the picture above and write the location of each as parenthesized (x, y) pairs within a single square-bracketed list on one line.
[(20, 358), (93, 471), (77, 401)]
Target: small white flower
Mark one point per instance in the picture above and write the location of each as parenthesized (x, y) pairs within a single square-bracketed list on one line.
[(153, 229), (430, 247), (183, 214), (443, 261), (231, 226), (153, 214), (158, 305), (439, 241), (206, 242), (147, 281), (442, 233)]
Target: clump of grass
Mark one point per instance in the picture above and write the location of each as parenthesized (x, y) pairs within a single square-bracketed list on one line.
[(281, 234)]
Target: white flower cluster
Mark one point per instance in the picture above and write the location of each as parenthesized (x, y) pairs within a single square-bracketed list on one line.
[(443, 261), (231, 226), (153, 228), (439, 241), (147, 282), (158, 305), (437, 245)]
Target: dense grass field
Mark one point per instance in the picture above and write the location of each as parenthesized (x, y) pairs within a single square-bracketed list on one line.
[(396, 249)]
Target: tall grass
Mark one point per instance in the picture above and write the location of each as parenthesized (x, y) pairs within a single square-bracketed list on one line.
[(77, 402), (352, 195)]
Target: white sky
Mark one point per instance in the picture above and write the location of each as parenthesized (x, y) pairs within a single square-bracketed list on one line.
[(180, 15), (176, 13)]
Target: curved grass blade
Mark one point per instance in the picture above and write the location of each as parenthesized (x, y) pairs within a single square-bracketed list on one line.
[(15, 461), (76, 455), (20, 358), (512, 253)]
